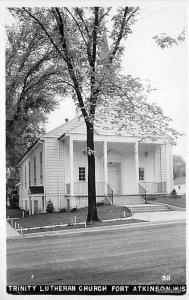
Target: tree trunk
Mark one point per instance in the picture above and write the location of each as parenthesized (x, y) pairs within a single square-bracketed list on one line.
[(92, 211)]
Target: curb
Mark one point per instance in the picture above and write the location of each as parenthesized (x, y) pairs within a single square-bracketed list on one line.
[(98, 229)]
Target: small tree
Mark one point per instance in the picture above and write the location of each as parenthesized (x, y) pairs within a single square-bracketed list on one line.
[(179, 166), (50, 207)]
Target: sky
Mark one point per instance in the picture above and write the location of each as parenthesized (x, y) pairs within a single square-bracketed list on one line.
[(166, 69)]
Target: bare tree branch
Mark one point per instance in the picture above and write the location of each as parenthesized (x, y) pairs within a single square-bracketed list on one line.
[(108, 10), (69, 64)]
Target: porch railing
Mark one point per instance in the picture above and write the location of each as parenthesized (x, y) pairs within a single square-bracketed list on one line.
[(154, 187), (110, 193), (142, 191), (81, 188)]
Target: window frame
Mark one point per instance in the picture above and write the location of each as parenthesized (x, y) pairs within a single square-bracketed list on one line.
[(82, 174), (141, 174), (25, 181), (41, 166), (34, 171), (29, 172)]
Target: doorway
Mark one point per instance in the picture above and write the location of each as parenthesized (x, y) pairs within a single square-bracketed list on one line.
[(114, 177)]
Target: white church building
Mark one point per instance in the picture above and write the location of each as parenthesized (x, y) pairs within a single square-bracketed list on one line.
[(55, 168)]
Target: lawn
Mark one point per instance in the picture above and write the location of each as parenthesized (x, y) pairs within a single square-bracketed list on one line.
[(179, 201), (95, 224), (14, 213), (105, 212)]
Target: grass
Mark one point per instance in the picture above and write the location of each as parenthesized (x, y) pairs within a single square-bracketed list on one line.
[(96, 224), (105, 212), (179, 201), (14, 213)]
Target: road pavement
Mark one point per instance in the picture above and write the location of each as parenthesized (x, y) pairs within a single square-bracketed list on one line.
[(145, 255)]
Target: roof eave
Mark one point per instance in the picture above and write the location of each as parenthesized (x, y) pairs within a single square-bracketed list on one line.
[(62, 136), (30, 148)]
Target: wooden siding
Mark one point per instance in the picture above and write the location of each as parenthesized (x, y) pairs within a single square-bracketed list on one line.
[(169, 167), (55, 173), (163, 165), (25, 164)]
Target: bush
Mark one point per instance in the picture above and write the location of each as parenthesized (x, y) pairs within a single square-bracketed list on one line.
[(151, 198), (74, 209), (100, 203), (63, 210), (173, 193), (50, 207)]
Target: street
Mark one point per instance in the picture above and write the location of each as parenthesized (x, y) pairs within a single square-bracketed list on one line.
[(146, 255)]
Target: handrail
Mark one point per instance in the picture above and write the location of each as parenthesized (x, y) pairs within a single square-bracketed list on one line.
[(110, 193), (142, 191), (154, 187)]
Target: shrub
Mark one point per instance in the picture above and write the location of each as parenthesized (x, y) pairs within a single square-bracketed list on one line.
[(173, 193), (100, 203), (50, 207), (63, 210), (151, 198), (74, 209)]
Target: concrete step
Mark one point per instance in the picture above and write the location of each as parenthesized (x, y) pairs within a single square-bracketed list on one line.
[(127, 200), (148, 207)]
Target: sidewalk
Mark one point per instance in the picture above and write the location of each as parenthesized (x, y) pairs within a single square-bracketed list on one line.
[(161, 216), (152, 218), (11, 232)]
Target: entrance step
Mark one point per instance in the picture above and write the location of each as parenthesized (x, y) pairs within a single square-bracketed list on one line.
[(128, 200), (148, 208)]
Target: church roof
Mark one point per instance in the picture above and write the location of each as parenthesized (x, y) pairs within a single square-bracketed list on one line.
[(102, 127)]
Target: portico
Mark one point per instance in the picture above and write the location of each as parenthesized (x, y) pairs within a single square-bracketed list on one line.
[(122, 164)]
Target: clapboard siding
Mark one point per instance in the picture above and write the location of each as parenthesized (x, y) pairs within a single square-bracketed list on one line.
[(25, 170), (61, 169), (163, 165), (21, 188), (169, 167), (36, 153), (55, 174)]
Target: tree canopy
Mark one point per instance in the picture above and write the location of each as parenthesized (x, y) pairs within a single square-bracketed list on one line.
[(164, 40), (32, 82)]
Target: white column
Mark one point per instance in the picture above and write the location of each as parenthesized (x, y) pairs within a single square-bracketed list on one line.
[(32, 201), (71, 169), (136, 166), (105, 168), (168, 190), (58, 170)]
